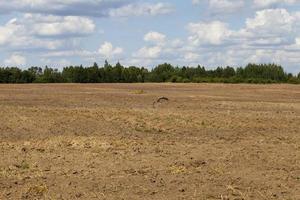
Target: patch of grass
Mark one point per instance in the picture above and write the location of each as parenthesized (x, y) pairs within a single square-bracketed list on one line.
[(139, 92), (178, 169), (236, 192), (23, 165), (37, 190), (3, 172)]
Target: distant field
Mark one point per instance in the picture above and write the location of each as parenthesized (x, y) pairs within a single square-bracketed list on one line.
[(108, 141)]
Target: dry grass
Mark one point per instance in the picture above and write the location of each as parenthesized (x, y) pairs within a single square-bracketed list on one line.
[(138, 92), (106, 141)]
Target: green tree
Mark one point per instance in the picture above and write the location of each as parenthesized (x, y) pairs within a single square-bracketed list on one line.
[(162, 72)]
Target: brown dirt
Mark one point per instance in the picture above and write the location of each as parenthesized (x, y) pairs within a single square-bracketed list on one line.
[(106, 141)]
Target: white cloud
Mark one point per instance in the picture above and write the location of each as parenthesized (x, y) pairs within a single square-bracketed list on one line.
[(272, 27), (66, 7), (297, 41), (15, 60), (190, 56), (176, 43), (34, 31), (141, 9), (149, 52), (60, 63), (95, 8), (155, 37), (196, 2), (154, 51), (54, 30), (108, 51), (5, 33), (225, 6), (221, 7), (70, 53), (272, 35), (15, 35), (268, 3), (212, 33), (258, 31), (267, 20), (50, 25)]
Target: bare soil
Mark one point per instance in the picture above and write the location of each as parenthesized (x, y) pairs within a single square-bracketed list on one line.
[(108, 141)]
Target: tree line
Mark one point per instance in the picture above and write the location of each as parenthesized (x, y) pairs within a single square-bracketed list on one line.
[(252, 73)]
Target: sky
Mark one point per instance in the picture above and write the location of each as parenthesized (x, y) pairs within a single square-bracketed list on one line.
[(145, 33)]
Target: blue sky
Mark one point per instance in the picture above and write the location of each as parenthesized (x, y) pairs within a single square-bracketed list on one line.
[(145, 33)]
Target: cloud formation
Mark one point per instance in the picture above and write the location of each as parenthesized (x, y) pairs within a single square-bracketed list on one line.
[(155, 37), (215, 43), (95, 8), (208, 32), (15, 60), (225, 6), (268, 3), (108, 51), (141, 9), (33, 31)]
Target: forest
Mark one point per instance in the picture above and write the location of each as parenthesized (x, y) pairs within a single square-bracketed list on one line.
[(251, 73)]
